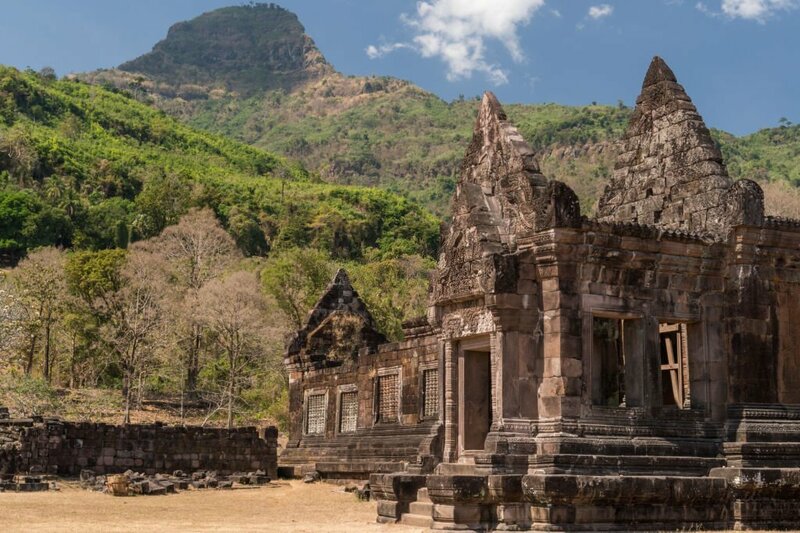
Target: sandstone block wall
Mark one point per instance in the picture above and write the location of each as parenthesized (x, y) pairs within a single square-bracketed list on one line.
[(66, 448), (373, 446)]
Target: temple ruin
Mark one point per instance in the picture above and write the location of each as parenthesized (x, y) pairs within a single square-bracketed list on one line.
[(636, 370)]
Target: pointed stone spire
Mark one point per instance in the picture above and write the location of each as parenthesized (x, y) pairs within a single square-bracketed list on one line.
[(497, 148), (657, 72), (498, 175), (493, 204), (669, 172), (339, 298), (339, 295), (342, 279)]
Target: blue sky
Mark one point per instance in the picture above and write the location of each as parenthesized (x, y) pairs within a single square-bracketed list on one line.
[(738, 59)]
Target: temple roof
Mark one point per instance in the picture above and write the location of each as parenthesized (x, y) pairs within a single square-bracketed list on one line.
[(498, 175), (500, 196), (669, 172), (339, 298), (657, 72)]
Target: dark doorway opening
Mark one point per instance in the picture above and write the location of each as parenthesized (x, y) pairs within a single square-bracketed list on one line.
[(609, 353), (476, 399)]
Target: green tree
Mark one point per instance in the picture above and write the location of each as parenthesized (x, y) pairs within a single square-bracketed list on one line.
[(394, 290), (18, 154), (296, 279), (25, 223), (93, 275), (164, 198), (17, 214), (244, 227)]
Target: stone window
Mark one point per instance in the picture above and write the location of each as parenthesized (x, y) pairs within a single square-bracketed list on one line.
[(388, 398), (617, 361), (348, 411), (609, 353), (674, 364), (315, 414), (430, 393)]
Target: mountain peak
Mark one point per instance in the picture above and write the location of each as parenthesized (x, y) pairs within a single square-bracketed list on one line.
[(246, 49)]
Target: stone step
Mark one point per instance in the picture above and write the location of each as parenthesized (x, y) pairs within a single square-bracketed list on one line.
[(422, 495), (421, 508), (455, 469), (627, 462), (415, 520)]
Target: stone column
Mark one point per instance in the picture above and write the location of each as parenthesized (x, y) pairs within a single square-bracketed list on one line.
[(500, 381), (560, 389), (450, 408)]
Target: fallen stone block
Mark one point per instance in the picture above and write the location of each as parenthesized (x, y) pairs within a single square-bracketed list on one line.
[(311, 477), (141, 487), (255, 479), (157, 490)]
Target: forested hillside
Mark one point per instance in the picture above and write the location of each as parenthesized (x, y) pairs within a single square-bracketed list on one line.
[(169, 263), (387, 132), (85, 167)]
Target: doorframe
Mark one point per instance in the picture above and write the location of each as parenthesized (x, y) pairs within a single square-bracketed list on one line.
[(481, 343)]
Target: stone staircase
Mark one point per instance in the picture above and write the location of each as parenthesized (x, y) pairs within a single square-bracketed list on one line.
[(420, 512)]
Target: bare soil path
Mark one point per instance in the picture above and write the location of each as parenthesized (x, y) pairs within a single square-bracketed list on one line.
[(281, 506)]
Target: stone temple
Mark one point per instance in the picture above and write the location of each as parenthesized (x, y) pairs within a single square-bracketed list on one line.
[(636, 370)]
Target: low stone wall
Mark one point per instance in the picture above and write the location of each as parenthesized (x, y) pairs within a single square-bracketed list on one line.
[(66, 448)]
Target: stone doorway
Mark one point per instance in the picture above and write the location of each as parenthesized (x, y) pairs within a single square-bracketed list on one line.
[(474, 398)]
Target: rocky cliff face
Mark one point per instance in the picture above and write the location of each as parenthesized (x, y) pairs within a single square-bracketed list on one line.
[(241, 49)]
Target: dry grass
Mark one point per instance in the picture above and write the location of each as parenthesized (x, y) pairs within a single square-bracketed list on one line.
[(280, 506)]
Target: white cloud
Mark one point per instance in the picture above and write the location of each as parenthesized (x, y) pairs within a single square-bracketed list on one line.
[(456, 31), (598, 12), (756, 10), (702, 8), (374, 52)]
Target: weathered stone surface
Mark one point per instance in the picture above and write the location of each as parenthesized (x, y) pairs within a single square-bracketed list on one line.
[(500, 196), (670, 172), (337, 327), (88, 449), (637, 371)]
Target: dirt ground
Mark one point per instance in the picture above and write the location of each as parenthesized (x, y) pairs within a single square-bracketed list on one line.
[(279, 506)]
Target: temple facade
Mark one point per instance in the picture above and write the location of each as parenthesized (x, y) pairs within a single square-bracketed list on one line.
[(635, 370)]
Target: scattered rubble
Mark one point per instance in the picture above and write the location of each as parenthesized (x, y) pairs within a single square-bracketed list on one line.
[(311, 477), (23, 483), (361, 491), (133, 483)]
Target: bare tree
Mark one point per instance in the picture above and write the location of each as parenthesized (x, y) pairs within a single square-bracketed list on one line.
[(234, 311), (781, 199), (196, 250), (40, 285), (134, 313), (12, 321)]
